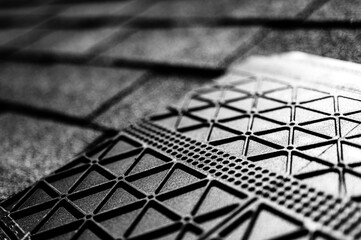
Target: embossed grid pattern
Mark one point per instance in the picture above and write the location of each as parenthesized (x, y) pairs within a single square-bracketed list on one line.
[(285, 191), (143, 188), (210, 178), (310, 134)]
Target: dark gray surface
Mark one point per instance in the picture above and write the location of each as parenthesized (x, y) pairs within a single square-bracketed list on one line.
[(65, 94), (325, 40), (30, 149)]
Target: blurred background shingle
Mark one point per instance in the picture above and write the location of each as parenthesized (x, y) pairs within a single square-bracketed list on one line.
[(73, 72)]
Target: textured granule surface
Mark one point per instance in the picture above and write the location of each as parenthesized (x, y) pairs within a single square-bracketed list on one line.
[(81, 77)]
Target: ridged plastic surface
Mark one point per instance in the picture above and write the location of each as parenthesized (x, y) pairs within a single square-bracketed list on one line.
[(249, 159), (305, 132)]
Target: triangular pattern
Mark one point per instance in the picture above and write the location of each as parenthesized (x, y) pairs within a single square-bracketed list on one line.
[(171, 236), (150, 183), (92, 156), (244, 104), (355, 131), (232, 95), (284, 95), (119, 198), (119, 148), (225, 113), (211, 223), (277, 164), (351, 154), (148, 161), (219, 133), (151, 220), (305, 94), (89, 203), (60, 217), (169, 122), (324, 105), (199, 134), (347, 105), (257, 148), (355, 116), (250, 86), (37, 197), (29, 222), (325, 127), (189, 236), (176, 202), (119, 166), (220, 196), (213, 95), (281, 115), (301, 138), (235, 147), (305, 115), (92, 179), (64, 183), (185, 202), (280, 137), (179, 178), (240, 124), (260, 124), (119, 224), (302, 165), (206, 113), (196, 103), (188, 122), (88, 234), (240, 231), (355, 140), (326, 152), (265, 104), (347, 126), (330, 155), (81, 162), (267, 86), (272, 226)]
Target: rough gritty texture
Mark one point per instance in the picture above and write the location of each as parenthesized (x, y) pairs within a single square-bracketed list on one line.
[(79, 90), (234, 8), (30, 149), (338, 44), (100, 9), (8, 35), (348, 10), (44, 86), (72, 41), (199, 45), (154, 96), (202, 46), (334, 43)]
